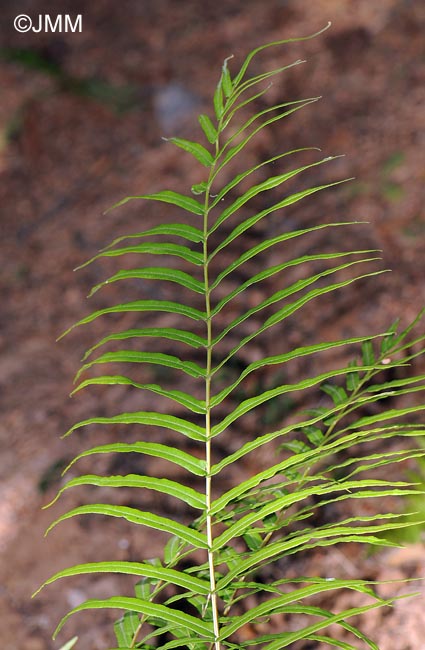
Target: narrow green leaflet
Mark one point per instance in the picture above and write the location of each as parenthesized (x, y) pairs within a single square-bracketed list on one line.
[(202, 628), (184, 399), (386, 415), (226, 78), (163, 485), (152, 248), (396, 383), (173, 334), (141, 306), (134, 516), (154, 273), (238, 78), (149, 418), (156, 358), (191, 463), (208, 128), (197, 150), (218, 100), (365, 462), (184, 580), (169, 229), (167, 196), (382, 395)]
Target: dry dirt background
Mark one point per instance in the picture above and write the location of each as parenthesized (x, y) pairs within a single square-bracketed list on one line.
[(81, 120)]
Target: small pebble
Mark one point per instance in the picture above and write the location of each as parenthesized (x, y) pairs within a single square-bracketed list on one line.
[(173, 106), (75, 597)]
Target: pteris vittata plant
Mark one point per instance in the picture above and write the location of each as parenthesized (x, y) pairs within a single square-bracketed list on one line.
[(210, 583)]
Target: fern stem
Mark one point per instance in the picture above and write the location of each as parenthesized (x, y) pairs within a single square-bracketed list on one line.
[(208, 492), (208, 460)]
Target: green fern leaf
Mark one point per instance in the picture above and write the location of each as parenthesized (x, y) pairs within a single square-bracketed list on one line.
[(189, 535)]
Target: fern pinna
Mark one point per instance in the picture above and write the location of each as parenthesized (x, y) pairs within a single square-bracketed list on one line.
[(211, 586)]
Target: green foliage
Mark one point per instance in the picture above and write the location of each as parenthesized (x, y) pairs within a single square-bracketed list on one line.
[(211, 583), (414, 505)]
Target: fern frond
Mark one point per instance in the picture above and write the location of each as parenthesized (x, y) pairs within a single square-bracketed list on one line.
[(210, 585)]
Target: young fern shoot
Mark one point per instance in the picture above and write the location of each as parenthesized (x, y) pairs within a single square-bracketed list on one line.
[(211, 589)]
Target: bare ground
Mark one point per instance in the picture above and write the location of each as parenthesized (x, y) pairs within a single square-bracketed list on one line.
[(81, 119)]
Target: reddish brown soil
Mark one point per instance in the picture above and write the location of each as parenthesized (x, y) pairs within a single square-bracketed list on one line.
[(81, 119)]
